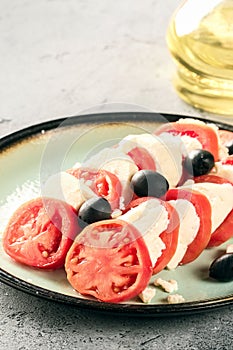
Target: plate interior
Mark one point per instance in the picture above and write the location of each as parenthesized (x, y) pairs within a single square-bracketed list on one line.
[(26, 163)]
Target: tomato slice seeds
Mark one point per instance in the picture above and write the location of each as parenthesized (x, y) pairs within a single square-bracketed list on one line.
[(110, 261), (40, 233)]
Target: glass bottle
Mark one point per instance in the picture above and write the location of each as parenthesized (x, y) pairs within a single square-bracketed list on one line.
[(200, 39)]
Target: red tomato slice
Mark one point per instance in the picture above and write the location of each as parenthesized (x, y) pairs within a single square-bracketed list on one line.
[(135, 202), (225, 230), (202, 132), (102, 182), (211, 178), (40, 232), (169, 236), (223, 233), (109, 260), (203, 210), (142, 158)]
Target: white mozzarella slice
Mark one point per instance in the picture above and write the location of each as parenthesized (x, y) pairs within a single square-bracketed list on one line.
[(222, 150), (166, 151), (103, 157), (223, 170), (190, 121), (186, 143), (151, 219), (220, 197), (189, 226), (68, 188), (118, 163), (190, 143)]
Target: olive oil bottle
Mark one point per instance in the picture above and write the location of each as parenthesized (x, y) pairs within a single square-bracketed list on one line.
[(200, 39)]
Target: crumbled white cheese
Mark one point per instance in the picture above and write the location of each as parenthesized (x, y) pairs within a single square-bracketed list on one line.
[(147, 294), (168, 286), (175, 299)]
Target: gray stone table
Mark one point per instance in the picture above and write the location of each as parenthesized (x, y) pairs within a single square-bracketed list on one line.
[(65, 57)]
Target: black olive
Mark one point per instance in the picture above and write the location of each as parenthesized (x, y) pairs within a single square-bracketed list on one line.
[(148, 183), (229, 145), (94, 209), (199, 162), (221, 268)]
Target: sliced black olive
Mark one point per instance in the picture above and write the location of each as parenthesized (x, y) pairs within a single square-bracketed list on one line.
[(199, 162), (148, 183), (94, 209), (221, 268)]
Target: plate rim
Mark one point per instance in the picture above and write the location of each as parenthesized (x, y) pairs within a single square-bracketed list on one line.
[(147, 310), (33, 129)]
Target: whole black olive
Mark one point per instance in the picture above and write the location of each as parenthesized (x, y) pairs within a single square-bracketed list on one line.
[(229, 145), (148, 183), (221, 268), (94, 209), (199, 162)]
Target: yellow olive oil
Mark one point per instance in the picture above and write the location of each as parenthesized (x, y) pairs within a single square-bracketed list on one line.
[(200, 39)]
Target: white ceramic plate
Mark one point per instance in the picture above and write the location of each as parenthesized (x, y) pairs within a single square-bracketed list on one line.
[(29, 155)]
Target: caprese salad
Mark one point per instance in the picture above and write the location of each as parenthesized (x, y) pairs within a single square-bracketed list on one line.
[(151, 202)]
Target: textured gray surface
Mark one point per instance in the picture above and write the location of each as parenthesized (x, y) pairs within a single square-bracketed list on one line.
[(61, 58), (30, 323)]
